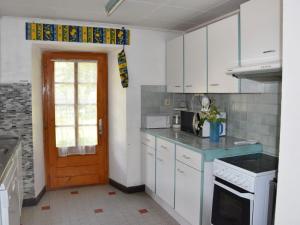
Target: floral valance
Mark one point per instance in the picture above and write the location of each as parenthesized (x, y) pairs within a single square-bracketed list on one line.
[(84, 34)]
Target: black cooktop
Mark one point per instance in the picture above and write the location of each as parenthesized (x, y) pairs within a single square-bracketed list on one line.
[(256, 163)]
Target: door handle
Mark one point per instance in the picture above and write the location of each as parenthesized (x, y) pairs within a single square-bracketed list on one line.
[(100, 127), (269, 51)]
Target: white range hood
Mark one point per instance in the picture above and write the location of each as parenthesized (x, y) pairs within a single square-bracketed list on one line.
[(256, 71)]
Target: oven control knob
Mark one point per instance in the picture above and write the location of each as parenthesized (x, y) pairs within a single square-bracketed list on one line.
[(235, 179), (218, 172), (231, 178), (241, 182)]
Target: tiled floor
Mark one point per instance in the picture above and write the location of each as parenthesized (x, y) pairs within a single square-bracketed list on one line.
[(95, 205)]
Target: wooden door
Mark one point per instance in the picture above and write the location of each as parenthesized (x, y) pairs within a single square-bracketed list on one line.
[(75, 117)]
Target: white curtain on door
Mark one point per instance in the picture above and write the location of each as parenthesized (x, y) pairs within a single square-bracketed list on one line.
[(80, 150), (75, 107)]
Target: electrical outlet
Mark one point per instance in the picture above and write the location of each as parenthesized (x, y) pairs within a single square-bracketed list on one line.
[(167, 101)]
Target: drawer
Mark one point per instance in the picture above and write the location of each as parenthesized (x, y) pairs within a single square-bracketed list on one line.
[(189, 157), (165, 148), (148, 139)]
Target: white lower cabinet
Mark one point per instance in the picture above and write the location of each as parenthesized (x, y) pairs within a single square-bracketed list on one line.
[(188, 193), (174, 175), (165, 164), (149, 167)]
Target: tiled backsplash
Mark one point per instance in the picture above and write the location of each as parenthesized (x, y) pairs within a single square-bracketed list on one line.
[(249, 116), (16, 119)]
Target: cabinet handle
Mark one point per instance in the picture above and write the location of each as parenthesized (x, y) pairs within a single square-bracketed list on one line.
[(159, 159), (214, 84), (177, 86), (269, 51), (188, 86), (149, 153), (163, 147), (186, 157), (180, 171)]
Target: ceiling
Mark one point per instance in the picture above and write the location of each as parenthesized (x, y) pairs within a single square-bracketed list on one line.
[(162, 14)]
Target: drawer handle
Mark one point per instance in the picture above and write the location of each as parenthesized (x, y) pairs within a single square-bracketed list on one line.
[(186, 157), (180, 171), (149, 153), (163, 147), (214, 84), (188, 86), (159, 159), (269, 51), (177, 86)]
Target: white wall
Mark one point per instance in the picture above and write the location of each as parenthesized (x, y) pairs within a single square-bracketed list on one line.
[(117, 122), (37, 121), (288, 201), (146, 60), (146, 65)]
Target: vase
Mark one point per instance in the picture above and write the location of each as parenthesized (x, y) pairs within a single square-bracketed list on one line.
[(216, 129)]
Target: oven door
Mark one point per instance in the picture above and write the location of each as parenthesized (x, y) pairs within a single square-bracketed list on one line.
[(231, 205)]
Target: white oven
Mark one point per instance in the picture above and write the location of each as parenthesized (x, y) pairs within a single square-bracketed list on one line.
[(231, 205), (241, 189)]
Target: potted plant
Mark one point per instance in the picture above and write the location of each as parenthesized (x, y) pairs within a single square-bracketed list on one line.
[(213, 117)]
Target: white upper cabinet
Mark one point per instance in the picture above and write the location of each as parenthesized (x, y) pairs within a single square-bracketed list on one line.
[(223, 53), (195, 61), (175, 65), (260, 31)]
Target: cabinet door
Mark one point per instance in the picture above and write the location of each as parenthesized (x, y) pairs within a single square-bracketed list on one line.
[(195, 61), (188, 193), (165, 165), (223, 39), (260, 31), (175, 65), (149, 167)]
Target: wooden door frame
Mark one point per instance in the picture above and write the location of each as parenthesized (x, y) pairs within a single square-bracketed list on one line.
[(46, 70)]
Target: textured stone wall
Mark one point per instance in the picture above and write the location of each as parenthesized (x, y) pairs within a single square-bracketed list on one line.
[(16, 118)]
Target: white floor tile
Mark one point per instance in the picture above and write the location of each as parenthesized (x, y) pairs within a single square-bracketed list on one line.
[(94, 205)]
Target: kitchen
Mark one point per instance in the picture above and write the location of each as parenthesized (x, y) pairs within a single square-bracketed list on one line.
[(150, 134)]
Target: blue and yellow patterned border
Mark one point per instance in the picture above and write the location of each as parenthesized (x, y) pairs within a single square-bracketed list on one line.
[(83, 34)]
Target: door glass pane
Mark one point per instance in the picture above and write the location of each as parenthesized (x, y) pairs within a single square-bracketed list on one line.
[(64, 93), (87, 93), (75, 101), (65, 137), (87, 135), (64, 115), (64, 72), (87, 115), (87, 72)]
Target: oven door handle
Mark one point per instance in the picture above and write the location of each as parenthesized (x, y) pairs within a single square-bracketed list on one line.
[(242, 195)]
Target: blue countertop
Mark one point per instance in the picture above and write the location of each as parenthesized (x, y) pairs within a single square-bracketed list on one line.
[(210, 151)]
